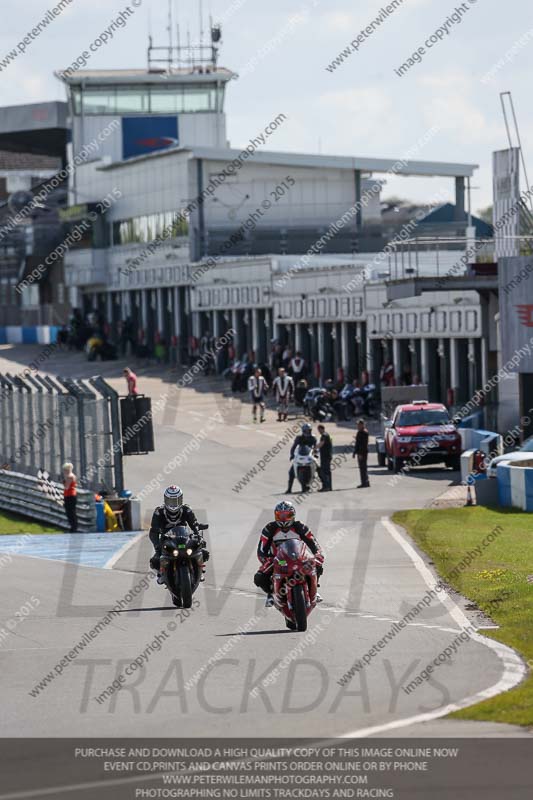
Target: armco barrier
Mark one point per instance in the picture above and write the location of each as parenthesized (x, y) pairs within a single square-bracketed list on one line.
[(32, 497), (515, 485)]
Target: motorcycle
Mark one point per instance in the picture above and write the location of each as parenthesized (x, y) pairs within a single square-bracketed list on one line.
[(305, 466), (182, 557), (97, 346), (295, 580), (370, 400), (317, 405), (351, 401)]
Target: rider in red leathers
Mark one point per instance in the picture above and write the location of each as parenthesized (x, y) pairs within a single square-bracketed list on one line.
[(284, 520)]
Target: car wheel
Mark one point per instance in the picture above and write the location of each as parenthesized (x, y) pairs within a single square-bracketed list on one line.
[(397, 464)]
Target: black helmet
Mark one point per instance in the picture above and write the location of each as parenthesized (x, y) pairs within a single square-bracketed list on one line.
[(173, 499), (306, 429)]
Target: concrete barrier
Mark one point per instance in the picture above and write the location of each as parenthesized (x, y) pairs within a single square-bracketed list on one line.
[(515, 485), (30, 334), (487, 441)]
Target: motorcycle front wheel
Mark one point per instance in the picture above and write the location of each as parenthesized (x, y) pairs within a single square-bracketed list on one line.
[(185, 585), (299, 607)]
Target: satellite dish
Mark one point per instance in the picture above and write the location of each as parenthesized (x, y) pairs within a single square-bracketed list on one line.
[(19, 200)]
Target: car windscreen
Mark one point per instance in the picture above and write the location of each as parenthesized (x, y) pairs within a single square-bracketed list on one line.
[(424, 416)]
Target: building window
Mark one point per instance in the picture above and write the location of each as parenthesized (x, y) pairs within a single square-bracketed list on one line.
[(165, 101), (145, 99), (132, 101), (197, 100), (141, 230), (99, 101)]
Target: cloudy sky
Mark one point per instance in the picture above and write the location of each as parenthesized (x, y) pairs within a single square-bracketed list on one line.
[(282, 49)]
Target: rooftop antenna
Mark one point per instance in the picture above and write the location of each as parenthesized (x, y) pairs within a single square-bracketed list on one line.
[(178, 42), (169, 34)]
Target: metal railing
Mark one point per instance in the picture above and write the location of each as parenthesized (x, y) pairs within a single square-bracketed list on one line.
[(46, 421), (442, 256), (42, 499)]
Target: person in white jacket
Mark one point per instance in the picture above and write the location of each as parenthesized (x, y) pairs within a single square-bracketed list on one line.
[(284, 390), (258, 387)]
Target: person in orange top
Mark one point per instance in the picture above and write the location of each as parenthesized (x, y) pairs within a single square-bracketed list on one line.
[(70, 493), (131, 379)]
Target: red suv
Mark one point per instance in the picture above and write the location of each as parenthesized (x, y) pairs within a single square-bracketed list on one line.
[(422, 432)]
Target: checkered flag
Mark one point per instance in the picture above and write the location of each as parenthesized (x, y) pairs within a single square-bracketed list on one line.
[(46, 486)]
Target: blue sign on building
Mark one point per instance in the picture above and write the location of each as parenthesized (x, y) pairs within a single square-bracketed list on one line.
[(141, 135)]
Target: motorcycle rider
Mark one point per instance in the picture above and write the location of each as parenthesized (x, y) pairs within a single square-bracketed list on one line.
[(284, 390), (284, 520), (257, 386), (306, 438), (173, 512)]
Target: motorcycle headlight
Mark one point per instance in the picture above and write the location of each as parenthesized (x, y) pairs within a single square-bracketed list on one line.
[(404, 439), (174, 552), (189, 551)]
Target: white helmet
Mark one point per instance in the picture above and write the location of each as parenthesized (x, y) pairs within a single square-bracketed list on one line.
[(173, 499)]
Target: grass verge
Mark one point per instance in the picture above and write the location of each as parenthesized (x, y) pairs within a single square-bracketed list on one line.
[(12, 523), (495, 580)]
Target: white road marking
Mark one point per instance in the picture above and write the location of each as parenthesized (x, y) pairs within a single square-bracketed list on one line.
[(514, 669), (346, 611), (244, 427), (125, 547)]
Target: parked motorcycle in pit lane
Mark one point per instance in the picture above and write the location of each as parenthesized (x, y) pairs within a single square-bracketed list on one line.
[(317, 405), (295, 580), (182, 557), (305, 466)]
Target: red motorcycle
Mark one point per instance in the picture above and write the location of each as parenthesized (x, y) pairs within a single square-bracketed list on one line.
[(295, 580)]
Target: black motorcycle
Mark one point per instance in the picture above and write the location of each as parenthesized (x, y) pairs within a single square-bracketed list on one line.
[(182, 556), (317, 405)]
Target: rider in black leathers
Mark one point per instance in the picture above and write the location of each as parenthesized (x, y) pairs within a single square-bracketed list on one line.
[(173, 512)]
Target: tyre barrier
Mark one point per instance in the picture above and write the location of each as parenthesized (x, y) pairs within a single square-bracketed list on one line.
[(42, 500)]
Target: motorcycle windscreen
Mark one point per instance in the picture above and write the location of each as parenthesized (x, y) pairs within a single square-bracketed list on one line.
[(294, 550), (178, 536)]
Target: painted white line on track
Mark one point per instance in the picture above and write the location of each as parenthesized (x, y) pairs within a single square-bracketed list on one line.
[(124, 549), (346, 611), (244, 427), (514, 669)]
